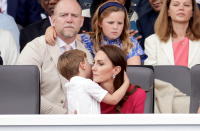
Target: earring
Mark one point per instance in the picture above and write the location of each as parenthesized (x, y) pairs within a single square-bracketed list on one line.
[(113, 76)]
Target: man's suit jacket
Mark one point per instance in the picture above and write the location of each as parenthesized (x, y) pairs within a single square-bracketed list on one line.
[(8, 49), (32, 31), (145, 25), (37, 52), (141, 7), (161, 53), (24, 12)]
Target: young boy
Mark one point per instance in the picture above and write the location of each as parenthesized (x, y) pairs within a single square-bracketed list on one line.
[(82, 94)]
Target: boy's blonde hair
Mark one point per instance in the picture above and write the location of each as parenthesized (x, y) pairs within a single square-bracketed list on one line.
[(69, 61)]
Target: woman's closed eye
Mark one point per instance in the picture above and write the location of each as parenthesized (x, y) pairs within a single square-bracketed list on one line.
[(100, 63), (187, 4), (110, 22)]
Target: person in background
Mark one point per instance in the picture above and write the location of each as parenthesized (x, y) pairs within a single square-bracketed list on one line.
[(135, 9), (110, 26), (67, 22), (8, 23), (145, 24), (8, 48), (24, 12), (83, 95), (198, 3), (38, 28), (177, 35), (107, 58), (141, 7), (132, 15)]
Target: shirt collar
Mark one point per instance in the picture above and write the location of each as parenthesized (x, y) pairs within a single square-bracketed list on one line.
[(62, 44), (116, 42)]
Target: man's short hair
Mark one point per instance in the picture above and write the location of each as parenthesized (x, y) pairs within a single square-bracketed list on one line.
[(55, 7), (69, 61)]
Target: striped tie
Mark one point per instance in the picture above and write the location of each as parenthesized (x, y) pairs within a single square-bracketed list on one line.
[(68, 47)]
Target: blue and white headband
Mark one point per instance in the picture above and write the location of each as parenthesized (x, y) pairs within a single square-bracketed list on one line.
[(110, 4)]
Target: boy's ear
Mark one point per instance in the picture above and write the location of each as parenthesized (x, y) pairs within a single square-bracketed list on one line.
[(82, 65), (116, 70)]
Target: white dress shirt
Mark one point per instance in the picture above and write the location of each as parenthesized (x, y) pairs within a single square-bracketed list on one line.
[(83, 96), (62, 45)]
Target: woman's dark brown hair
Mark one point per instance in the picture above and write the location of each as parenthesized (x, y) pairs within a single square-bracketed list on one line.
[(118, 58)]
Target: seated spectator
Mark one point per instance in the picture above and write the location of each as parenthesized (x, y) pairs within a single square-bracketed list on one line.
[(198, 3), (141, 7), (24, 12), (106, 60), (89, 13), (177, 35), (110, 26), (86, 4), (37, 29), (8, 23), (8, 48), (67, 22), (128, 4), (145, 24), (82, 94)]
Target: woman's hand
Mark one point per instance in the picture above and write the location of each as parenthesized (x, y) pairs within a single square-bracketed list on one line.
[(135, 34), (50, 35)]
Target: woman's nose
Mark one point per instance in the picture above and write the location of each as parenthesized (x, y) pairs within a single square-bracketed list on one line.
[(181, 7), (93, 67)]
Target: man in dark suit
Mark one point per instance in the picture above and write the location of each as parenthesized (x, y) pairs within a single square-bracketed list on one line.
[(24, 12), (37, 29), (145, 24), (141, 7)]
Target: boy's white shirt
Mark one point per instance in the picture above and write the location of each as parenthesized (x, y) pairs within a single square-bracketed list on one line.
[(83, 96)]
